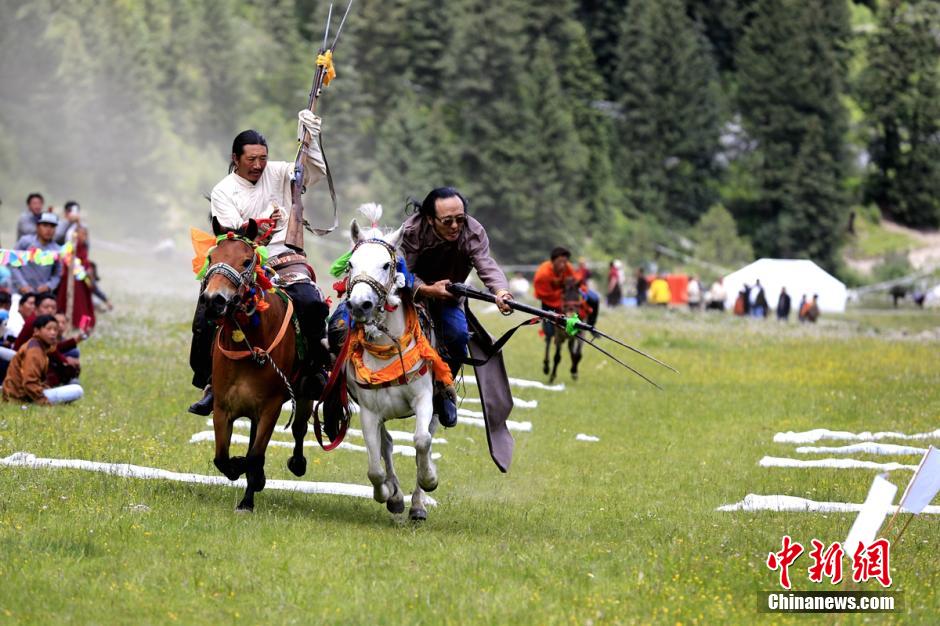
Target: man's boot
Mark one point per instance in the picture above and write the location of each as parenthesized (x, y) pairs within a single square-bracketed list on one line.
[(445, 406), (203, 406)]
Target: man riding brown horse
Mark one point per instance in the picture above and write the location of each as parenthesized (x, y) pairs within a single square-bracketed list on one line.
[(261, 190)]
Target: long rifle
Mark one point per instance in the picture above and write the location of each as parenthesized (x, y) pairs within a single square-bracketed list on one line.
[(294, 237), (567, 324)]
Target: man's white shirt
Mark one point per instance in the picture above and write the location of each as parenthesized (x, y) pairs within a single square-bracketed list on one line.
[(236, 200)]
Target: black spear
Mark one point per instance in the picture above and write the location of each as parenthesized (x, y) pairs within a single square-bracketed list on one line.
[(462, 289)]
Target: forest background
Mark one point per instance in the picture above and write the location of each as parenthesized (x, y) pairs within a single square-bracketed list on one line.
[(728, 128)]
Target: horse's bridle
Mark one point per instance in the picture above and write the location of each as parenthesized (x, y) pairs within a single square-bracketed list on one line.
[(381, 290), (241, 280)]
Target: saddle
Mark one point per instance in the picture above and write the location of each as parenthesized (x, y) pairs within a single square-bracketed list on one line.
[(292, 268)]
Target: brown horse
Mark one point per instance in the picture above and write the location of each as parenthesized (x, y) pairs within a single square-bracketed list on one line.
[(572, 304), (251, 364)]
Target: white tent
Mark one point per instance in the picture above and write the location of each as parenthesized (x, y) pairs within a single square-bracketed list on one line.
[(931, 299), (798, 276)]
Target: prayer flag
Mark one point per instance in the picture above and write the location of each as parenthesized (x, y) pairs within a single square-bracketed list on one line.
[(925, 483), (872, 515)]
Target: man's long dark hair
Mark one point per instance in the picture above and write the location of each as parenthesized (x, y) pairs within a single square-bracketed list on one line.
[(428, 207), (242, 139)]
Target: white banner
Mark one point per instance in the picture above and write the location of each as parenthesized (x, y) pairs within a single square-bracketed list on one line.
[(872, 515), (924, 484)]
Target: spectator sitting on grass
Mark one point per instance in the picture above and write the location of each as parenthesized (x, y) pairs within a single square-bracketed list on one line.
[(24, 310), (45, 305), (26, 379), (64, 366)]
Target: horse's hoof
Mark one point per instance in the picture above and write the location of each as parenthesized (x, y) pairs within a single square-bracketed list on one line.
[(245, 507), (574, 376), (545, 369), (228, 468), (297, 465), (417, 515), (395, 507)]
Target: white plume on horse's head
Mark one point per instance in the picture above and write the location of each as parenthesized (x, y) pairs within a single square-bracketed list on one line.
[(372, 211)]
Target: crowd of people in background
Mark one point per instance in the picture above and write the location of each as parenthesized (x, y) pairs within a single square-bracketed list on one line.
[(48, 289), (657, 288)]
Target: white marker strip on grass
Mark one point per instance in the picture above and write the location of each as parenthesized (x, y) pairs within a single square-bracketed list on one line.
[(772, 461), (812, 436), (208, 435), (521, 382), (125, 470), (397, 435), (519, 403), (525, 427), (754, 502), (887, 449), (583, 437)]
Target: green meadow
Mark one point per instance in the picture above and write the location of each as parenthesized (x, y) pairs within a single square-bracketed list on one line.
[(622, 530)]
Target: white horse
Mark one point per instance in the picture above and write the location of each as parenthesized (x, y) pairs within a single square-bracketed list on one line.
[(375, 306)]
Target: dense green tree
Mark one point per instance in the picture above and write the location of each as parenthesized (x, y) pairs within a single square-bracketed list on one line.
[(415, 153), (791, 108), (602, 20), (582, 86), (900, 93), (670, 103), (723, 22), (717, 239)]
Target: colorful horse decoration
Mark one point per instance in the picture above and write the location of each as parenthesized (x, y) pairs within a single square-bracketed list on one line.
[(255, 357), (573, 304), (388, 363)]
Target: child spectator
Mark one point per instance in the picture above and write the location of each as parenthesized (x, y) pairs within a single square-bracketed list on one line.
[(26, 379)]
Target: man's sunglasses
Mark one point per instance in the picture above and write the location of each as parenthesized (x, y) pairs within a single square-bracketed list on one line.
[(450, 220)]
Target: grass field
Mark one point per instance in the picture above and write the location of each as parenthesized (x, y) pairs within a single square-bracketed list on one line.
[(624, 530)]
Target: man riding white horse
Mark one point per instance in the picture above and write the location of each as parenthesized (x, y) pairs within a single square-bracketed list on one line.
[(261, 190), (441, 244)]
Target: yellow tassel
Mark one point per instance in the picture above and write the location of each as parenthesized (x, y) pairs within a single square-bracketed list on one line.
[(325, 60), (238, 336)]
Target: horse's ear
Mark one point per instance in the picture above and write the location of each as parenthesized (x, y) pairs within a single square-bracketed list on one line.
[(217, 227), (355, 233), (251, 230), (394, 238)]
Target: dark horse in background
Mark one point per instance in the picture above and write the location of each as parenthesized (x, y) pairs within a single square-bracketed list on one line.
[(572, 304), (251, 364)]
